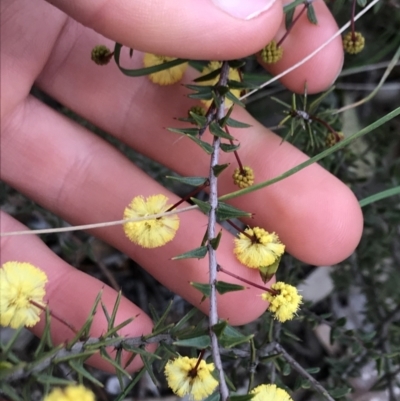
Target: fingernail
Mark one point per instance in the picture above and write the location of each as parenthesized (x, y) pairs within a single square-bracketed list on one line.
[(244, 9)]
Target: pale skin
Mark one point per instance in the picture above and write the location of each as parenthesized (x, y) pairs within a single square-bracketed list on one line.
[(83, 179)]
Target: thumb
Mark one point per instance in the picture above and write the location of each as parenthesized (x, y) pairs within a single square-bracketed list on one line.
[(198, 29)]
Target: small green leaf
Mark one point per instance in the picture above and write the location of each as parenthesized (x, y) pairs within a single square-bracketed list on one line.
[(235, 64), (341, 322), (10, 392), (208, 77), (197, 253), (161, 321), (79, 368), (236, 124), (194, 181), (313, 371), (244, 397), (292, 5), (215, 241), (213, 397), (232, 97), (232, 337), (200, 342), (286, 369), (104, 354), (224, 287), (185, 319), (362, 3), (267, 272), (289, 18), (216, 130), (339, 392), (200, 120), (219, 168), (147, 70), (219, 328), (204, 145), (203, 206), (205, 289), (305, 384), (312, 17), (231, 341), (149, 368), (185, 131), (54, 381), (226, 212), (227, 147)]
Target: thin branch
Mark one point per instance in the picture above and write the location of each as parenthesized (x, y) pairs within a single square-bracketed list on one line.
[(81, 347), (96, 225), (295, 365), (212, 256)]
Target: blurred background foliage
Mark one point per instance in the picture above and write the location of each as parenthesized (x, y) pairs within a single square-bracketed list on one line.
[(348, 332)]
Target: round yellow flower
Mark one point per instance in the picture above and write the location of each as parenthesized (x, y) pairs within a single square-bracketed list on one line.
[(263, 249), (70, 393), (243, 178), (269, 392), (183, 378), (285, 303), (233, 76), (271, 53), (165, 77), (353, 43), (154, 232), (21, 284)]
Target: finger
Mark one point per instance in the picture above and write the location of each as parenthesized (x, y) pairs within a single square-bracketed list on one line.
[(82, 178), (320, 72), (199, 29), (316, 215), (70, 294)]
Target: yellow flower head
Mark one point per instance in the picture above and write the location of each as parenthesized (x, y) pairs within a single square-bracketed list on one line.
[(21, 284), (269, 392), (165, 77), (183, 378), (154, 232), (353, 43), (243, 178), (258, 248), (70, 393), (271, 53), (285, 303), (233, 76)]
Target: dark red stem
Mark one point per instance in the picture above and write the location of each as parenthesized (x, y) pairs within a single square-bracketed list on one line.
[(221, 269), (53, 314), (292, 24), (188, 196)]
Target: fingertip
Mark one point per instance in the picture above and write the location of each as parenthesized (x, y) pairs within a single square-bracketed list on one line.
[(321, 71), (195, 29)]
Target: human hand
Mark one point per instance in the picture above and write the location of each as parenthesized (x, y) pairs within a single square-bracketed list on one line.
[(83, 179)]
